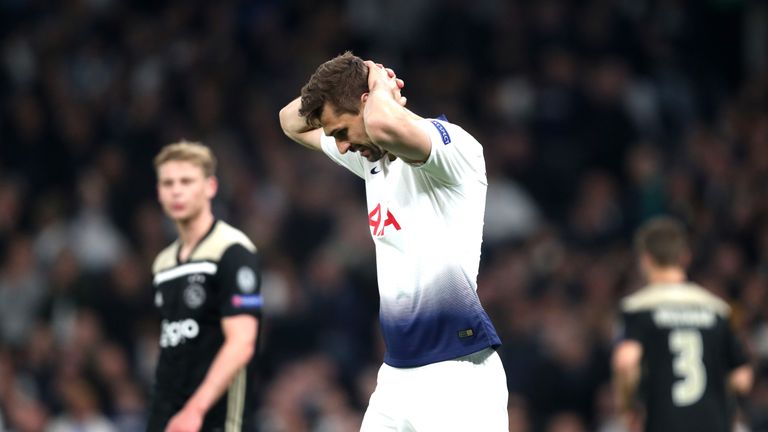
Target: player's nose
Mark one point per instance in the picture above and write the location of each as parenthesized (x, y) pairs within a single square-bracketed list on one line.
[(343, 146)]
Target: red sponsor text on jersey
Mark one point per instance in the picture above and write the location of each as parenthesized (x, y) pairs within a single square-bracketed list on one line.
[(374, 220)]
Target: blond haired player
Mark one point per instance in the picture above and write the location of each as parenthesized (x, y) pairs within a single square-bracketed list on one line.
[(207, 289)]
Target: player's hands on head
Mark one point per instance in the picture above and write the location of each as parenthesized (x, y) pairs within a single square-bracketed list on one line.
[(383, 77)]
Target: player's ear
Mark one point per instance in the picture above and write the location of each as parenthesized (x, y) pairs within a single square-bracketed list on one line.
[(645, 263), (158, 187), (364, 97), (685, 259), (211, 186)]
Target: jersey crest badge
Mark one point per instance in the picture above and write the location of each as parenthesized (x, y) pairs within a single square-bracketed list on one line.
[(194, 296), (246, 280)]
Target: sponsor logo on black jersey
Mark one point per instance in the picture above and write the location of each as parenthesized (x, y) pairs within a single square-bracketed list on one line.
[(174, 333)]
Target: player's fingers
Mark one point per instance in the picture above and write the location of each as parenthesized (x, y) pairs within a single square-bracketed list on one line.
[(400, 83), (403, 100), (371, 65)]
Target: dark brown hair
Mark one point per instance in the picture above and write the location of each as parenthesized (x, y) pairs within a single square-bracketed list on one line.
[(665, 240), (340, 82)]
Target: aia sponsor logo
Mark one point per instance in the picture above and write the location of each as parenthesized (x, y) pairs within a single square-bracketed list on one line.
[(378, 226)]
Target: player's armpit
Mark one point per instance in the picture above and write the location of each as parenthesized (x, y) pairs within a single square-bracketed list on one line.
[(296, 128)]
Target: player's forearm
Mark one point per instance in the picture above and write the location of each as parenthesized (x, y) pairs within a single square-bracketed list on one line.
[(390, 125), (232, 356), (625, 385), (382, 116), (625, 363)]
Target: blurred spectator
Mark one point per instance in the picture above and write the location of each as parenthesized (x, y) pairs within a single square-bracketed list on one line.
[(594, 116), (81, 410), (95, 240), (22, 289)]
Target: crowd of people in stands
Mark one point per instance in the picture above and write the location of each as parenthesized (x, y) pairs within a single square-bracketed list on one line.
[(594, 116)]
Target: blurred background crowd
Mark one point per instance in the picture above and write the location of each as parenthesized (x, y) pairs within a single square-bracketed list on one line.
[(594, 115)]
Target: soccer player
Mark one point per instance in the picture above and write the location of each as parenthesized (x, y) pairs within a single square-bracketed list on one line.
[(207, 289), (425, 186), (677, 349)]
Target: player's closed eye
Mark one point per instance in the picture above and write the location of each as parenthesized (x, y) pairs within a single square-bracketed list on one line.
[(341, 135)]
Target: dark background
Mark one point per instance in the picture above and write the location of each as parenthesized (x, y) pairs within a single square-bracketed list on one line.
[(594, 115)]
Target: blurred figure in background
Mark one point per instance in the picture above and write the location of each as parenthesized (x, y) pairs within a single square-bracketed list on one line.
[(678, 353), (208, 291), (89, 89)]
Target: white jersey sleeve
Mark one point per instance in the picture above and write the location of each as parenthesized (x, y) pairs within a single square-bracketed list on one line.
[(456, 156), (350, 160)]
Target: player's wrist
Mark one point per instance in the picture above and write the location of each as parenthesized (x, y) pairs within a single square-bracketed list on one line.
[(196, 407)]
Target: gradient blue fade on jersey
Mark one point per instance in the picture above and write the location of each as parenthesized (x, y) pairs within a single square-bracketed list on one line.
[(444, 320), (426, 221)]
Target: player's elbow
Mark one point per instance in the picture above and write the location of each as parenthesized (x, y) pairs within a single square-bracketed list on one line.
[(741, 380), (626, 358), (285, 120), (291, 122)]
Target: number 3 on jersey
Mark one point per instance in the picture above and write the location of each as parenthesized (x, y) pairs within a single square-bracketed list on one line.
[(687, 350), (374, 220)]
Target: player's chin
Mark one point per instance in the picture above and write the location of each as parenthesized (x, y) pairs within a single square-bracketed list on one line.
[(374, 156), (180, 215)]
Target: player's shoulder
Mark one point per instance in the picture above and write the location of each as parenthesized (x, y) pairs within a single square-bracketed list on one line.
[(443, 131), (222, 237), (674, 295), (166, 258)]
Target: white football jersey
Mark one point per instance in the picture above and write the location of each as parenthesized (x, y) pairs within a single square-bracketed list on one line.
[(426, 222)]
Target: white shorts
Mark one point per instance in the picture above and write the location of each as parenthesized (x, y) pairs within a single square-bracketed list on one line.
[(467, 394)]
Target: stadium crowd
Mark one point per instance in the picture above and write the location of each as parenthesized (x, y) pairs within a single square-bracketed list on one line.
[(594, 115)]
